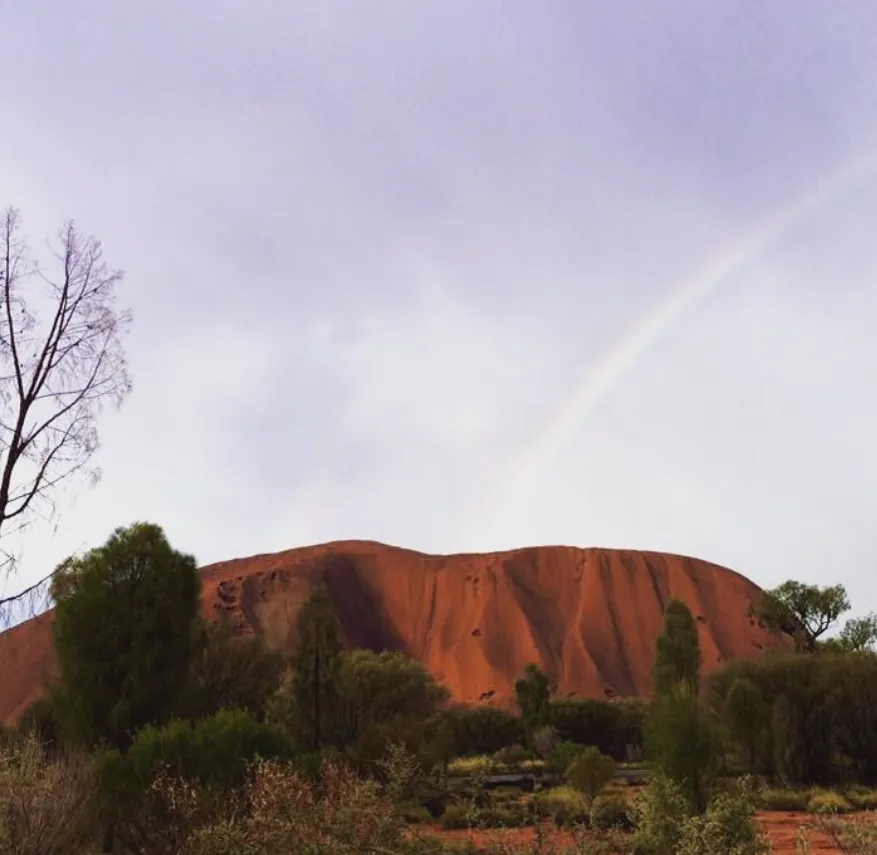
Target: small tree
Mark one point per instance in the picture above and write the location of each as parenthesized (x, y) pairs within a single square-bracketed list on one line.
[(229, 672), (123, 633), (859, 634), (316, 673), (680, 739), (533, 694), (747, 717), (803, 612), (375, 688), (677, 657), (58, 370), (590, 771)]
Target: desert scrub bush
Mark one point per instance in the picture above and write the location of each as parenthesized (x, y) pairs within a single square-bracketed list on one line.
[(783, 800), (480, 764), (512, 756), (285, 814), (861, 798), (47, 803), (610, 810), (413, 813), (826, 801), (562, 757), (590, 771), (563, 805), (665, 825), (457, 816), (848, 836), (658, 813)]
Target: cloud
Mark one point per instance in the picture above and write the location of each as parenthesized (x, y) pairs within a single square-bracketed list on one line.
[(370, 252)]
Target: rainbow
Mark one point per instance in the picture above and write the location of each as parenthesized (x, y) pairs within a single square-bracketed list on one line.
[(598, 380)]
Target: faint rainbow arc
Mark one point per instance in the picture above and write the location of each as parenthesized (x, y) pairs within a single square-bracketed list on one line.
[(598, 380)]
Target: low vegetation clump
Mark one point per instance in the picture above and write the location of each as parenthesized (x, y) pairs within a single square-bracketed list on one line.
[(610, 810), (47, 803), (862, 798), (828, 802), (783, 800), (590, 772)]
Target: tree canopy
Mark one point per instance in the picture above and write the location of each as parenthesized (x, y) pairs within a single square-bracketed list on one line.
[(123, 633)]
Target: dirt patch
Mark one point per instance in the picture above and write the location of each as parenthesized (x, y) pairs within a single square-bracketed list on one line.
[(784, 830)]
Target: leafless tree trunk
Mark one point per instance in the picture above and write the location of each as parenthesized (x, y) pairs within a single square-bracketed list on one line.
[(61, 360)]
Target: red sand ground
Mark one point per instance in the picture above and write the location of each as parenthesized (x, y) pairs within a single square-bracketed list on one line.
[(782, 829), (589, 617)]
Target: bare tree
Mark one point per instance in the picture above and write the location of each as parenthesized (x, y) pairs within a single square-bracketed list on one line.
[(61, 360)]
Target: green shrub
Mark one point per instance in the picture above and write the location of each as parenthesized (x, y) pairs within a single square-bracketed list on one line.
[(413, 813), (457, 816), (564, 805), (727, 826), (562, 757), (214, 752), (483, 730), (512, 756), (828, 802), (610, 810), (500, 817), (862, 798), (658, 813), (590, 771), (664, 823), (478, 765), (784, 800)]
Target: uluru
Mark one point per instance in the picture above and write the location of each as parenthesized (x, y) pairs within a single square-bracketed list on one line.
[(588, 617)]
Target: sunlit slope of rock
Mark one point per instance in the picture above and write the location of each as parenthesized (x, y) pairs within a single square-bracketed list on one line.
[(589, 617)]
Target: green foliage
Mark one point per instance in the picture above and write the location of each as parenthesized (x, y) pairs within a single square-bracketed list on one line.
[(803, 612), (478, 764), (862, 798), (610, 810), (228, 672), (666, 825), (682, 741), (562, 757), (564, 805), (483, 730), (728, 827), (745, 713), (658, 814), (828, 802), (544, 741), (784, 800), (315, 685), (428, 741), (859, 634), (44, 720), (533, 693), (590, 771), (678, 657), (611, 726), (123, 633), (456, 817), (512, 756), (214, 752), (817, 715), (376, 688)]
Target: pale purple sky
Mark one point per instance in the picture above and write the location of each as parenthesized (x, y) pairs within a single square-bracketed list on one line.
[(372, 248)]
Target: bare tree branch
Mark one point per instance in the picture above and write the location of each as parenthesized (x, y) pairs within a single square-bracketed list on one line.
[(55, 376)]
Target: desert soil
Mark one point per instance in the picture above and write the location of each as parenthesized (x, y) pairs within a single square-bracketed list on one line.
[(783, 829)]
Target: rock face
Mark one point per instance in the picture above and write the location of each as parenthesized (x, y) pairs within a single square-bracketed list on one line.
[(588, 617)]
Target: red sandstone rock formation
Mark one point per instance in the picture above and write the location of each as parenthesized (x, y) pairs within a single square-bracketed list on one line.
[(588, 617)]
